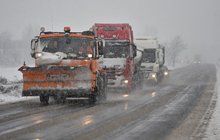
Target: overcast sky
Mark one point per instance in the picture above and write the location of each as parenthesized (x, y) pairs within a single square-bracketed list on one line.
[(196, 21)]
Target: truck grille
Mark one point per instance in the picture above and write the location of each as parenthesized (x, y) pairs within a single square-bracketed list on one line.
[(113, 72)]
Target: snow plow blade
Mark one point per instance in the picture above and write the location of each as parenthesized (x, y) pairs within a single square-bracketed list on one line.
[(71, 81)]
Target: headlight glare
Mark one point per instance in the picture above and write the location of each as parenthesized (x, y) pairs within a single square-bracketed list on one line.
[(153, 75), (165, 73), (125, 81), (90, 55), (39, 54)]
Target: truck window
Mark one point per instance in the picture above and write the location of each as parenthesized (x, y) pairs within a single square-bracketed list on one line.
[(116, 50), (79, 46), (149, 55)]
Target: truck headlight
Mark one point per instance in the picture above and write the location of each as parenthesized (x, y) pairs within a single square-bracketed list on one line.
[(125, 81), (165, 73), (39, 54), (153, 75), (90, 55)]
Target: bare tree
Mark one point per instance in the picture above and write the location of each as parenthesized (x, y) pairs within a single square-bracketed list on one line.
[(15, 52), (5, 47), (175, 47)]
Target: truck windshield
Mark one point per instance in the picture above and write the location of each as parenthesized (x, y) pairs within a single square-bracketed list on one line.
[(79, 46), (149, 56), (116, 50)]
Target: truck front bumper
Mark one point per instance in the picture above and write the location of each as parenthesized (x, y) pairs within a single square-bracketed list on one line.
[(150, 76), (119, 82)]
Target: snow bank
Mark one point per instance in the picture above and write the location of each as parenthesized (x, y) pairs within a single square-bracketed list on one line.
[(10, 87), (9, 91), (178, 65)]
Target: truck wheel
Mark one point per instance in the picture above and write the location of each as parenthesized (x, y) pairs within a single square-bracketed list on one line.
[(63, 99), (101, 90), (141, 84), (92, 99), (44, 99), (103, 95), (155, 82), (142, 80), (59, 99), (105, 90), (100, 94)]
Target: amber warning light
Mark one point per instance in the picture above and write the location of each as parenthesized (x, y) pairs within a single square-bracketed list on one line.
[(67, 29)]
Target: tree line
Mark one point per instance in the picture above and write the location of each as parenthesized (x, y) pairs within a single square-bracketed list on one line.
[(13, 52)]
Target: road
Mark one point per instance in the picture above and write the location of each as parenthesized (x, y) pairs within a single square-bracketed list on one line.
[(171, 110)]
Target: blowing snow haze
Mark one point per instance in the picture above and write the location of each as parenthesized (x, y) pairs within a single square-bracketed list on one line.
[(196, 21), (157, 76)]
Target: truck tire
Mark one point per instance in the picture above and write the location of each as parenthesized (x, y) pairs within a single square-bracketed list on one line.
[(44, 99), (104, 94), (59, 99), (92, 99), (135, 82), (141, 82), (155, 82), (101, 88)]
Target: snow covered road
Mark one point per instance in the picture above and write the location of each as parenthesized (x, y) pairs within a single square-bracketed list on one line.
[(213, 130), (161, 112)]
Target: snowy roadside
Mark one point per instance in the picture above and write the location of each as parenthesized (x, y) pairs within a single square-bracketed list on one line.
[(11, 74), (177, 66), (213, 130), (10, 91), (10, 85)]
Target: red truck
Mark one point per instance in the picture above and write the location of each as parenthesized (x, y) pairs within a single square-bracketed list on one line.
[(121, 60)]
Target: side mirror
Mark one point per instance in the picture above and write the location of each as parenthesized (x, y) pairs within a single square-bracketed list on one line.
[(100, 47), (134, 50), (100, 44), (34, 43)]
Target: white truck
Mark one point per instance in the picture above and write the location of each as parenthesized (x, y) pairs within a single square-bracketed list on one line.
[(153, 59)]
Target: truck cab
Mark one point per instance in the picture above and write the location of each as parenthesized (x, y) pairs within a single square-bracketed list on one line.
[(153, 58), (118, 54)]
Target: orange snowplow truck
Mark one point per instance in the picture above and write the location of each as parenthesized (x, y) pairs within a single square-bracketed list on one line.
[(66, 66)]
